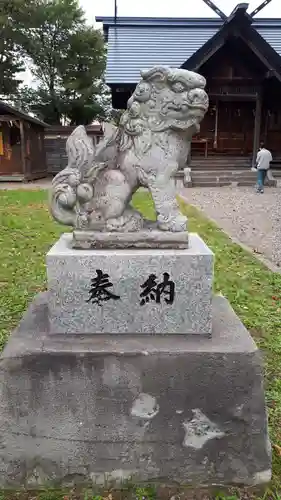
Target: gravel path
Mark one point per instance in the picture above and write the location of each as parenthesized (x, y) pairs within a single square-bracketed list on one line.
[(26, 186), (254, 219)]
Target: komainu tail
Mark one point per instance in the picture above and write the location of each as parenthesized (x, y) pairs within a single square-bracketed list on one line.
[(80, 151), (106, 151)]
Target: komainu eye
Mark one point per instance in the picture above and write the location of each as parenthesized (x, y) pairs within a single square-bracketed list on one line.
[(177, 87)]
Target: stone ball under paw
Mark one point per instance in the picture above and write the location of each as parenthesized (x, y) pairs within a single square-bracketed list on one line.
[(67, 199), (74, 179), (85, 192)]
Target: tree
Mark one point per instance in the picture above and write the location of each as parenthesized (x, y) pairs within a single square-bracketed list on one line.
[(35, 100), (68, 61), (82, 70), (12, 15), (94, 103)]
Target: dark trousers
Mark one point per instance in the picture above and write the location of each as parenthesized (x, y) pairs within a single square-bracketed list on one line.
[(261, 179)]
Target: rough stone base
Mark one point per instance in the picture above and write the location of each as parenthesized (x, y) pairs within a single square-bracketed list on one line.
[(147, 408), (151, 238)]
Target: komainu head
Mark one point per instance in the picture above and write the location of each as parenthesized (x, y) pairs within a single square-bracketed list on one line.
[(166, 99)]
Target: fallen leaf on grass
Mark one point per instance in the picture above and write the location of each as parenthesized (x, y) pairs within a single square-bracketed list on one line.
[(257, 332), (277, 448)]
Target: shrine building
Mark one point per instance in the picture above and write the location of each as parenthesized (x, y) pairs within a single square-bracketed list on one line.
[(240, 57)]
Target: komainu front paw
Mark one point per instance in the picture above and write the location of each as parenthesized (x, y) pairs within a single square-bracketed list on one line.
[(130, 221), (174, 224), (82, 221)]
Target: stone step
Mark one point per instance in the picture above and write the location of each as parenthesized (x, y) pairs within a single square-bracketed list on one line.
[(221, 158), (222, 162), (224, 179), (221, 183), (220, 177), (221, 173), (230, 166), (226, 182), (209, 184)]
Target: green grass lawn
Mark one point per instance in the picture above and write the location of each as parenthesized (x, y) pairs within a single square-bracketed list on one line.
[(27, 232)]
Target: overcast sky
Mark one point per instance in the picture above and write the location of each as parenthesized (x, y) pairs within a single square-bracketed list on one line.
[(171, 8), (164, 8)]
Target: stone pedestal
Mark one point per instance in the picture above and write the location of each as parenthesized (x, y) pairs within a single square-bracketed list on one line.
[(129, 291), (82, 401), (105, 408)]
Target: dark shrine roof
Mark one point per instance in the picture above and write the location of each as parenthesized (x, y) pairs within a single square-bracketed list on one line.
[(136, 43), (16, 113)]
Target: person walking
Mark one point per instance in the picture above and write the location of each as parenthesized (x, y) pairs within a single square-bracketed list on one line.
[(264, 158)]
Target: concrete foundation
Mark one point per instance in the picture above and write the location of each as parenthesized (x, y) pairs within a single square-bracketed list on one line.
[(109, 408)]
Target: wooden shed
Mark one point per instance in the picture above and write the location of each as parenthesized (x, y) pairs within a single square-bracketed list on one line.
[(55, 142), (22, 150)]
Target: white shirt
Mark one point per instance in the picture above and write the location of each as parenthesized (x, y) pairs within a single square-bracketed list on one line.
[(264, 158)]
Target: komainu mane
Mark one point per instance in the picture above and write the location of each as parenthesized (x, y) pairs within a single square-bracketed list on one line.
[(151, 143)]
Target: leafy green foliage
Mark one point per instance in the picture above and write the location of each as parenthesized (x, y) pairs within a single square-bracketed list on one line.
[(66, 57), (82, 70), (11, 11), (68, 61)]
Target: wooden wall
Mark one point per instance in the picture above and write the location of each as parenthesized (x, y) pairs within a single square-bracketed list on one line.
[(271, 117), (235, 77), (22, 151), (35, 155), (235, 127), (10, 157)]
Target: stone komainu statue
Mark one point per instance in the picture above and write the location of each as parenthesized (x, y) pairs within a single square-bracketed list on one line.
[(151, 143)]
